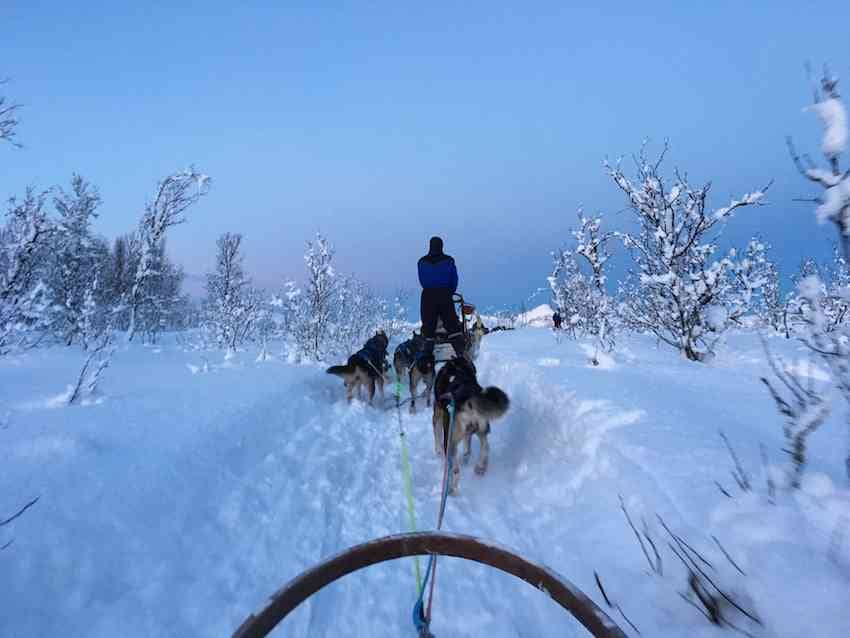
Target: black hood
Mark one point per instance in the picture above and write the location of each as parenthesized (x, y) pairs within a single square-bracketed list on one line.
[(435, 248)]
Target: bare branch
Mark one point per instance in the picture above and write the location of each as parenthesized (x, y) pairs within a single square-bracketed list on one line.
[(613, 605), (695, 570), (8, 120), (771, 488), (19, 512), (658, 564), (602, 589), (738, 473), (637, 534), (728, 557), (722, 491)]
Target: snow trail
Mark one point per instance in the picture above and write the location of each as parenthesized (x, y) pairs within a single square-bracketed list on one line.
[(181, 501)]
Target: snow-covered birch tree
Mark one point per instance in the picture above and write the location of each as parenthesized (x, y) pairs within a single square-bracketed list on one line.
[(320, 290), (174, 195), (24, 297), (591, 244), (73, 258), (771, 309), (569, 290), (229, 302)]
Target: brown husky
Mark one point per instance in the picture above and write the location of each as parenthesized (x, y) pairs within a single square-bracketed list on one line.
[(366, 367), (475, 407)]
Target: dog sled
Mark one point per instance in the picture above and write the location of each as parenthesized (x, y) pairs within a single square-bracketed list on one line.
[(443, 350), (567, 595)]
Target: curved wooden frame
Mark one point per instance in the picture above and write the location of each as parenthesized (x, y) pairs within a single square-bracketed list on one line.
[(308, 583)]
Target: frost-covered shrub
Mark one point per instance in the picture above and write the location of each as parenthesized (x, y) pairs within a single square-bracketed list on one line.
[(333, 314), (581, 297), (315, 320), (678, 288), (234, 311), (834, 202)]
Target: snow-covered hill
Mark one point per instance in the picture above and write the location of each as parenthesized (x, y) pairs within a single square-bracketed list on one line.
[(539, 317), (184, 498)]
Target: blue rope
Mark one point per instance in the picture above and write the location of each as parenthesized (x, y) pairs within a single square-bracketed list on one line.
[(420, 622)]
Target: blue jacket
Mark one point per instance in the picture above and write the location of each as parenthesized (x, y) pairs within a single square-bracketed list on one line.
[(438, 271)]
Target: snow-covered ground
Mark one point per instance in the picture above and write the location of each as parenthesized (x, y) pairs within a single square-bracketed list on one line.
[(176, 504)]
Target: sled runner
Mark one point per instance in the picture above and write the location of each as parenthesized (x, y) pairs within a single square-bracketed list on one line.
[(443, 350), (308, 583)]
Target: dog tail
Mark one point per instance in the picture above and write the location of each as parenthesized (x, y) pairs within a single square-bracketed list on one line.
[(493, 403), (341, 371)]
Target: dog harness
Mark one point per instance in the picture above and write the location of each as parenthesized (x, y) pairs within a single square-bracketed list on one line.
[(373, 354)]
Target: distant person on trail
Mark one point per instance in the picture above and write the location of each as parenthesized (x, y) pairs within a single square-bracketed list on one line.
[(556, 320), (438, 277)]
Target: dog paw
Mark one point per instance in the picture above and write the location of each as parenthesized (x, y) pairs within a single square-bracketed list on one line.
[(480, 469)]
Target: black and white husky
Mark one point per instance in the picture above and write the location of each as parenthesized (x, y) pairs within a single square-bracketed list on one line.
[(475, 407), (365, 368)]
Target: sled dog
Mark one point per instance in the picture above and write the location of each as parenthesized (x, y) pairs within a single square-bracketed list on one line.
[(475, 407), (365, 368), (475, 337), (410, 363)]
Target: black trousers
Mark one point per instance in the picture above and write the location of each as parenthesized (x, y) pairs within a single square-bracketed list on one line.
[(436, 303)]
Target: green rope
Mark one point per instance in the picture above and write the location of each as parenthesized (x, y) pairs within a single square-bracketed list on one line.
[(408, 481)]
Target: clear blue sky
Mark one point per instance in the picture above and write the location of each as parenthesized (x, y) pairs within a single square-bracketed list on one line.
[(384, 123)]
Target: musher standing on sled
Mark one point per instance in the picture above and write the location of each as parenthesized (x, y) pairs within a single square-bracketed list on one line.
[(438, 277)]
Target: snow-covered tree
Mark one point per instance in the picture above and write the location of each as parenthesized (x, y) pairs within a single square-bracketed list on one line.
[(232, 306), (820, 306), (580, 295), (393, 313), (569, 289), (8, 119), (285, 308), (74, 258), (24, 297), (681, 289), (97, 361), (118, 275), (174, 195), (771, 310), (315, 321), (358, 315), (163, 305), (834, 203), (833, 303), (750, 274), (591, 244)]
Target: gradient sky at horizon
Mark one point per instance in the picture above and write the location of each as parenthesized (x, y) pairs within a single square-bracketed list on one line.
[(381, 124)]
